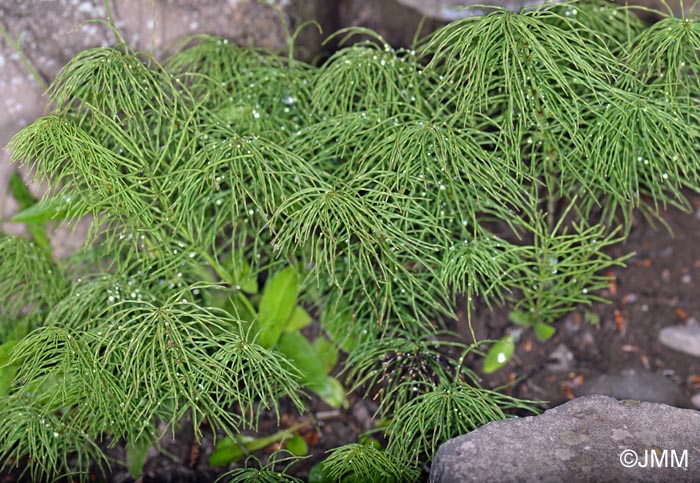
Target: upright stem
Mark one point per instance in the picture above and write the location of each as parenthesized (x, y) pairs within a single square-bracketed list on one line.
[(18, 48)]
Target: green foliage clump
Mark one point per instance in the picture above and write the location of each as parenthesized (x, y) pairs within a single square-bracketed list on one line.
[(496, 159)]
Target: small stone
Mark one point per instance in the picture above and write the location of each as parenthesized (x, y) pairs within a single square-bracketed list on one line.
[(560, 360), (636, 384), (696, 400), (681, 338)]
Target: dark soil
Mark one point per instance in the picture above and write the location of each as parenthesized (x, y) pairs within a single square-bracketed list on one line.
[(659, 287)]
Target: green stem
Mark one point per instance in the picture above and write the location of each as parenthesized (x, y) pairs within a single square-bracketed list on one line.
[(539, 295), (247, 303), (17, 48), (280, 436), (220, 271)]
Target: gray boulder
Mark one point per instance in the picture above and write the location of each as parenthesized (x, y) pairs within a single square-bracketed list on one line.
[(449, 10), (592, 438)]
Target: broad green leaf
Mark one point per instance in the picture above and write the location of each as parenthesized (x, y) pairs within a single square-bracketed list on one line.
[(15, 329), (47, 209), (297, 445), (46, 391), (338, 324), (365, 439), (317, 474), (304, 357), (7, 371), (240, 273), (20, 192), (228, 450), (277, 303), (136, 456), (499, 354), (544, 331), (38, 233), (249, 285), (333, 393), (235, 306), (327, 352), (519, 317), (299, 319)]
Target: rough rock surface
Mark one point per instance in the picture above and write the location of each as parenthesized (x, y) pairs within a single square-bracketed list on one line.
[(593, 438), (449, 10), (634, 384), (397, 21)]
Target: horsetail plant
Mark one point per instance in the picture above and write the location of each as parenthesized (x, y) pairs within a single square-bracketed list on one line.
[(235, 195)]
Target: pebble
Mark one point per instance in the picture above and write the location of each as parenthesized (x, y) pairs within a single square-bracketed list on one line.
[(561, 359), (696, 400), (681, 338), (637, 384)]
